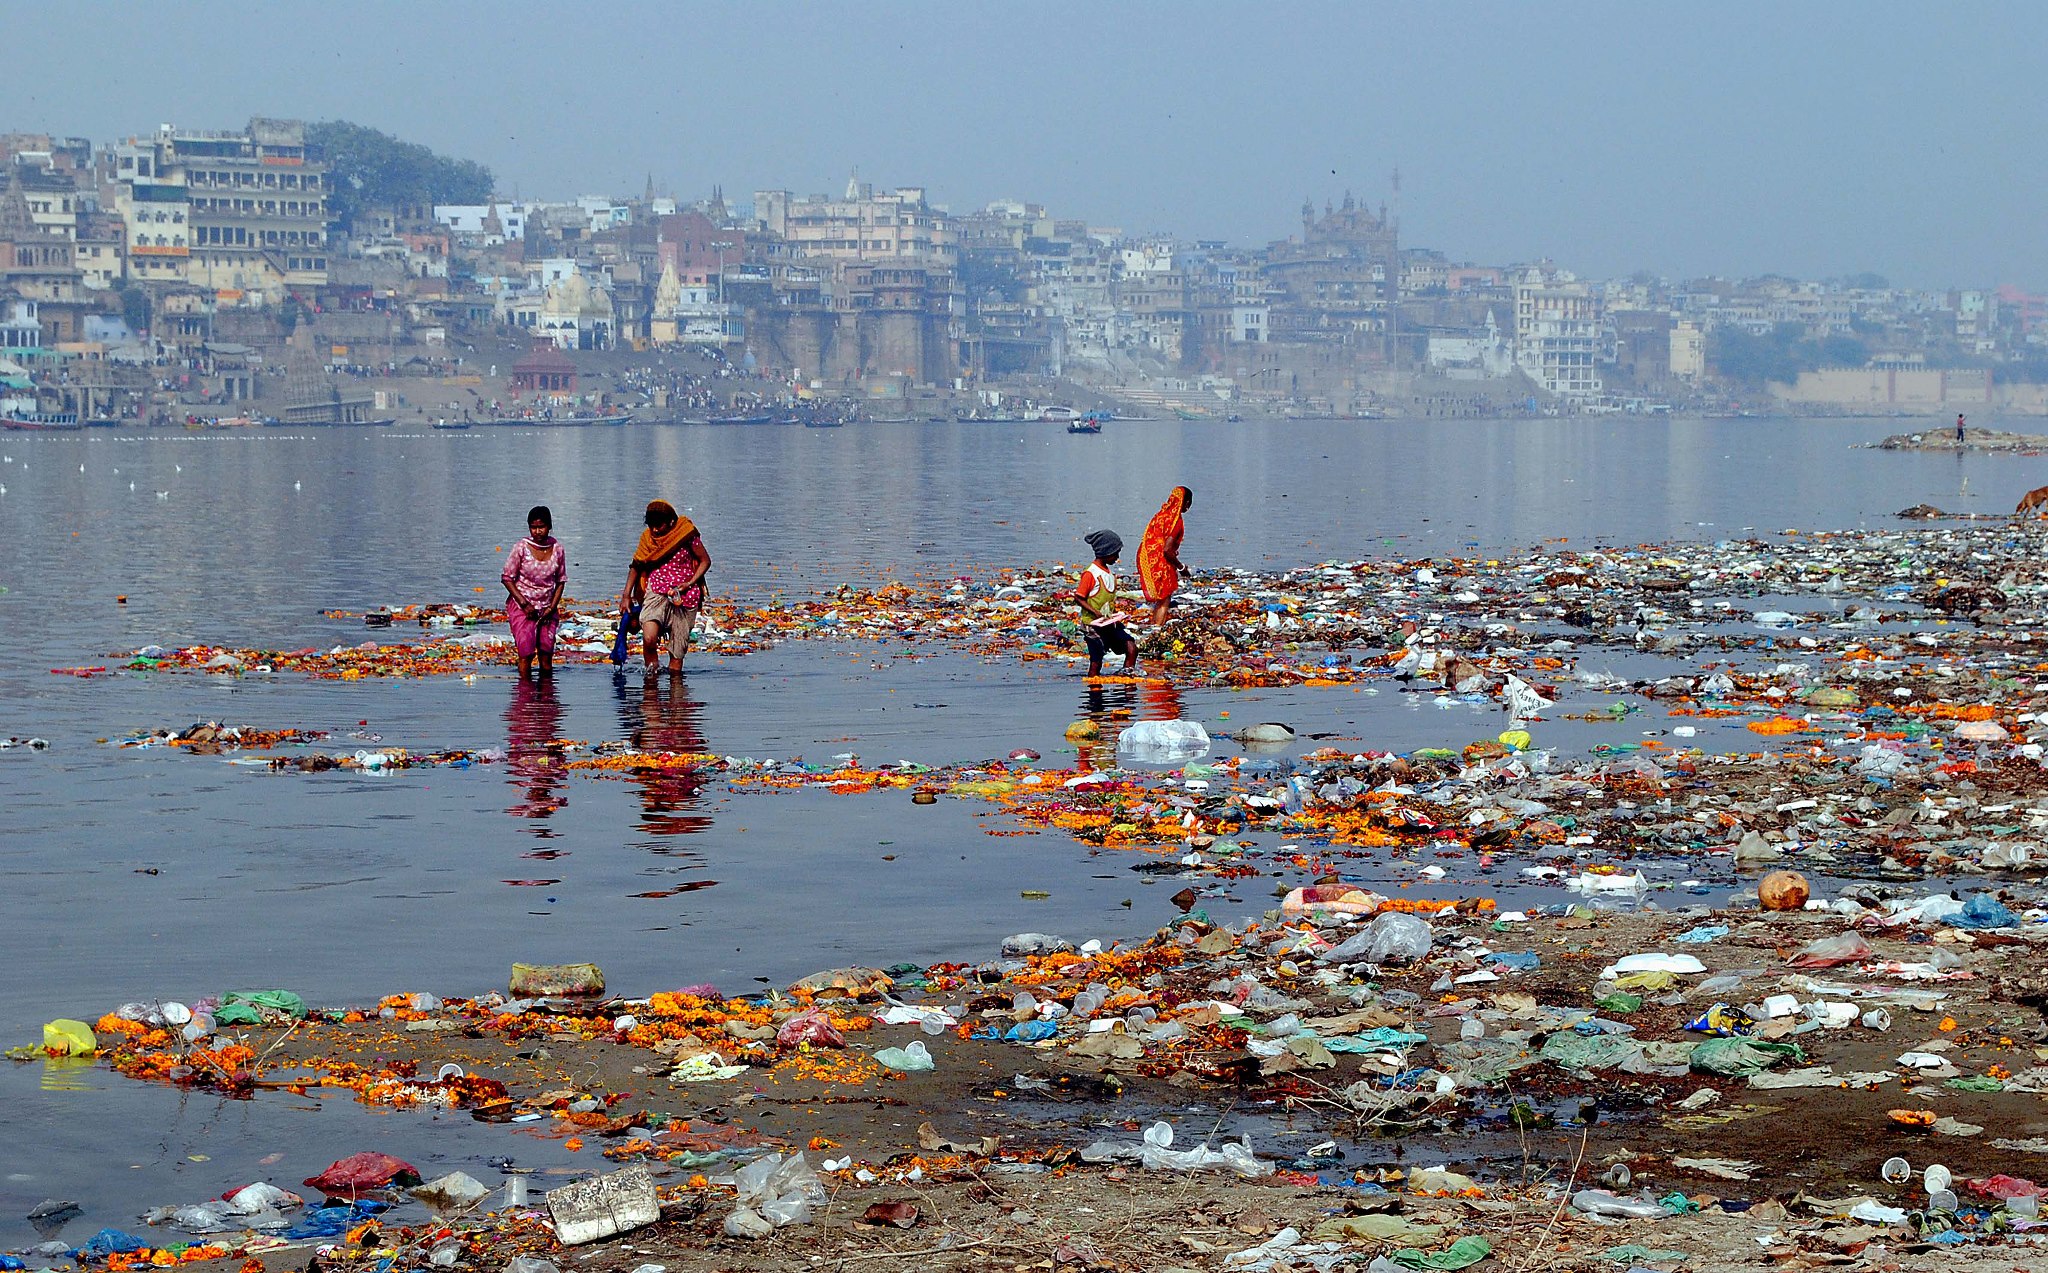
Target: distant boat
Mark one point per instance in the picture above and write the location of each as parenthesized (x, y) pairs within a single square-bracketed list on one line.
[(823, 422), (272, 422), (1060, 415), (743, 417), (560, 421), (451, 424), (1090, 423), (41, 421)]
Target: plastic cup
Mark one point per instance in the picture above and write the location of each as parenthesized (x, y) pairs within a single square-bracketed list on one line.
[(1936, 1178), (1941, 1200), (1896, 1171)]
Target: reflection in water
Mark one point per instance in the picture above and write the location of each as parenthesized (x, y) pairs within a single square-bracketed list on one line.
[(67, 1074), (533, 722), (660, 716), (1110, 705), (1160, 699)]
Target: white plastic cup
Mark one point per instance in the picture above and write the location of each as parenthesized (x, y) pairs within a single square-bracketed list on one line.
[(1936, 1178), (515, 1191), (1896, 1171)]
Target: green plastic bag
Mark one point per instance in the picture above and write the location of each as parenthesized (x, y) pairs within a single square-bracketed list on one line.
[(1464, 1253), (1739, 1057), (65, 1037), (246, 1007)]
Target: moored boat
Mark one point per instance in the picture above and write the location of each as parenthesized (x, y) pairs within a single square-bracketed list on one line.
[(1090, 423), (41, 421)]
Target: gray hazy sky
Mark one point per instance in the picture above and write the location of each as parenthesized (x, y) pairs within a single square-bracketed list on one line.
[(1731, 138)]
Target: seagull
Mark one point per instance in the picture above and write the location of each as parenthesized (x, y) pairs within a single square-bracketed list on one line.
[(131, 486), (81, 468), (295, 486), (177, 468), (163, 494)]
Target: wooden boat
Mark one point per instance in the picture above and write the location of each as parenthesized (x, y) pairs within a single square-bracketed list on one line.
[(41, 421), (451, 424), (1090, 423)]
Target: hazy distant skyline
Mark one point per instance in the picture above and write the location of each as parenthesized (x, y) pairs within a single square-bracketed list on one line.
[(1808, 139)]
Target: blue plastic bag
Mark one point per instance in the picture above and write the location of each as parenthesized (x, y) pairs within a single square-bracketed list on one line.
[(629, 619), (1984, 911), (112, 1242)]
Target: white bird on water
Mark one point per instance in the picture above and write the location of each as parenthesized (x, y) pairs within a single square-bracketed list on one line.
[(81, 468), (295, 486), (131, 486), (163, 494)]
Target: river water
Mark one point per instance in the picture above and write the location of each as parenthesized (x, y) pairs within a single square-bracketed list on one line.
[(146, 873)]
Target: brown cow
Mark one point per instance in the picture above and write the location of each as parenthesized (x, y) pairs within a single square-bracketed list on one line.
[(2034, 501)]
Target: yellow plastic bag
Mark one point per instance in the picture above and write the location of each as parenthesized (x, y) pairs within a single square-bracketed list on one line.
[(65, 1037)]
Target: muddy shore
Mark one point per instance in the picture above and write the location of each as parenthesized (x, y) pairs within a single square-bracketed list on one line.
[(1420, 1068)]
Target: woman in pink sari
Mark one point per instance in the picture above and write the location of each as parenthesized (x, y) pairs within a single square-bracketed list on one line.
[(536, 575)]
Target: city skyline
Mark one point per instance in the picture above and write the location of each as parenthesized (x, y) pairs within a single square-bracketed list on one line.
[(1743, 142)]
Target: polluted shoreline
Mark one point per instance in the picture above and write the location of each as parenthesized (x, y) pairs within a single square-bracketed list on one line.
[(1793, 877)]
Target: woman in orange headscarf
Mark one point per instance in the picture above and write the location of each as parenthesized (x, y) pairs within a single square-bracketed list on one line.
[(1159, 567), (668, 570)]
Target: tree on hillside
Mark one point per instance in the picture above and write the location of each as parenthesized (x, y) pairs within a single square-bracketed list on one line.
[(1779, 355), (373, 169)]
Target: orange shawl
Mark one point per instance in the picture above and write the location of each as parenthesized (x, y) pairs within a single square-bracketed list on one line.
[(1162, 539), (655, 549)]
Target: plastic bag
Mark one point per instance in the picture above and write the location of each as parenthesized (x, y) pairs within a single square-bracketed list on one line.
[(811, 1027), (1599, 1202), (1391, 938), (368, 1170), (246, 1007), (1846, 948), (783, 1190), (629, 622), (65, 1037), (1163, 742), (1984, 911), (1739, 1058), (1233, 1157), (908, 1060)]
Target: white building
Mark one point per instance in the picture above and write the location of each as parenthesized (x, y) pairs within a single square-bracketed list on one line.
[(486, 224), (577, 315), (1558, 323)]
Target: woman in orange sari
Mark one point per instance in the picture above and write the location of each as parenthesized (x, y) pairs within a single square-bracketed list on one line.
[(1159, 567), (668, 573)]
